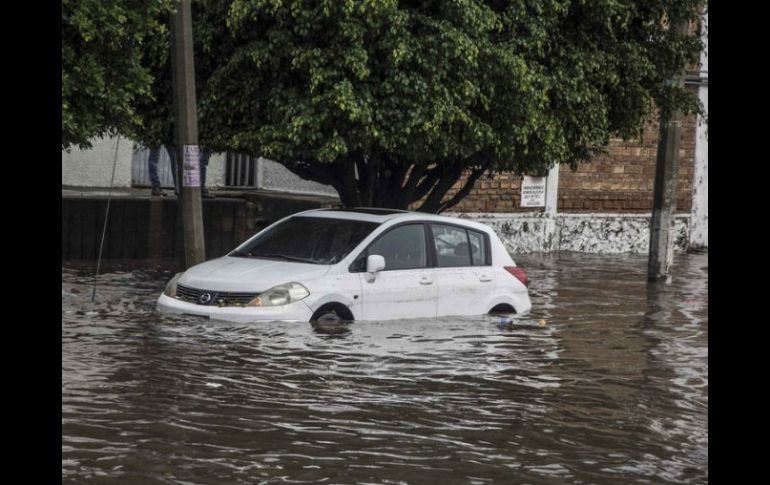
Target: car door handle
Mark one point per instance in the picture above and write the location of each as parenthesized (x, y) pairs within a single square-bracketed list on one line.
[(426, 281), (484, 278)]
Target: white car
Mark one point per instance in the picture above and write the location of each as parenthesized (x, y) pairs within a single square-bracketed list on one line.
[(355, 264)]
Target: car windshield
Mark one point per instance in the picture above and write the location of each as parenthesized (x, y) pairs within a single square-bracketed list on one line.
[(313, 240)]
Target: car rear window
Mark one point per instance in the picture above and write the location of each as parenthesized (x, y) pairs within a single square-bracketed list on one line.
[(478, 248), (458, 246), (313, 240)]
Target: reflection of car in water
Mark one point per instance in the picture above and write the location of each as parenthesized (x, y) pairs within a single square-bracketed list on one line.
[(355, 264)]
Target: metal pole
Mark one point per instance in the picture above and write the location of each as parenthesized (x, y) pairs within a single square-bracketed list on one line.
[(183, 76), (699, 226), (106, 218), (664, 194)]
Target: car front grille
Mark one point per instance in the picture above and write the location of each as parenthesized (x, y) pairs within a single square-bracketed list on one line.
[(215, 298)]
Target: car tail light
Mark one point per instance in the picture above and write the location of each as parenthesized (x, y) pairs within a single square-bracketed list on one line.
[(518, 273)]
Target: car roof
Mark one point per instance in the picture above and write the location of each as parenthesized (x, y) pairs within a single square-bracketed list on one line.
[(379, 215)]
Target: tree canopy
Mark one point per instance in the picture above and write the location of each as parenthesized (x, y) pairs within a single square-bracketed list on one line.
[(392, 101), (103, 70)]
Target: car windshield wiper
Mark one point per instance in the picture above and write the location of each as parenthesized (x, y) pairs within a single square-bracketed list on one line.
[(284, 256)]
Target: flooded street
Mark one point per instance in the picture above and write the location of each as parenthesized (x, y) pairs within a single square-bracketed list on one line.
[(612, 389)]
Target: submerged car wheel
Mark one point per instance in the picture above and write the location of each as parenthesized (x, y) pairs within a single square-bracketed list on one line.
[(332, 313), (328, 317), (502, 309), (332, 319)]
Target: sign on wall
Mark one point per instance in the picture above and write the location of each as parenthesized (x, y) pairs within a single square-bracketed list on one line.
[(191, 168), (533, 191)]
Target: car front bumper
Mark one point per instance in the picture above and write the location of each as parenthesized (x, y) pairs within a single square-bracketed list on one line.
[(297, 311)]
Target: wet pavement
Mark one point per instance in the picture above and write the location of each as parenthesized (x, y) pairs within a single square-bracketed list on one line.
[(613, 388)]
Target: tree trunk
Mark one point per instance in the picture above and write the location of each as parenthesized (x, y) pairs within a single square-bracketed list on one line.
[(380, 181), (450, 174)]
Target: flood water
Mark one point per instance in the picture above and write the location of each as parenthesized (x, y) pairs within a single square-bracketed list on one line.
[(612, 389)]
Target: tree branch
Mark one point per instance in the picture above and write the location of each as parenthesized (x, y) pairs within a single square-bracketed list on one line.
[(407, 192), (372, 174), (395, 185), (431, 177), (448, 178), (352, 195), (460, 195)]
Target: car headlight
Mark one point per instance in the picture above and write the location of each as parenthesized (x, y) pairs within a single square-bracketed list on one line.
[(171, 286), (280, 295)]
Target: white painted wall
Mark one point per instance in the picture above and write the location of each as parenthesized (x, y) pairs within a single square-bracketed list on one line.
[(93, 167), (598, 233), (215, 172)]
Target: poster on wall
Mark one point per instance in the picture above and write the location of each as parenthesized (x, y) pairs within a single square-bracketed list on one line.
[(533, 191), (191, 168)]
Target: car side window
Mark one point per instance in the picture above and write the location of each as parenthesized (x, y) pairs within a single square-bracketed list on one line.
[(452, 246), (478, 248), (402, 247)]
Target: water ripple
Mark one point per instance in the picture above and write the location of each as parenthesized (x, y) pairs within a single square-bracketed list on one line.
[(613, 389)]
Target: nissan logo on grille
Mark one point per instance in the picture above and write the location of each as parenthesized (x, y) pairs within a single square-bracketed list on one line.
[(221, 298)]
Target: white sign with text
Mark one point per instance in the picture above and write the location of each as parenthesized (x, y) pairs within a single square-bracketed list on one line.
[(191, 167), (533, 191)]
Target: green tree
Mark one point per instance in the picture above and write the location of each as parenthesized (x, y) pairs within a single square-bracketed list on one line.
[(391, 102), (103, 74), (154, 125)]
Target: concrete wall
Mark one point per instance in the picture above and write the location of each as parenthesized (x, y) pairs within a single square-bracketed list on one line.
[(594, 232), (276, 177), (590, 233), (93, 167), (149, 228)]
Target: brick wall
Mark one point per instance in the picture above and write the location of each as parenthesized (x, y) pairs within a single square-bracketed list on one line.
[(619, 181)]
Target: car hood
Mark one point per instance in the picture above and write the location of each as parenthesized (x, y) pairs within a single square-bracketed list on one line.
[(248, 274)]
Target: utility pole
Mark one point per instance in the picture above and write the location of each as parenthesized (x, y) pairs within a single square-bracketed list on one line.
[(551, 239), (664, 193), (188, 152)]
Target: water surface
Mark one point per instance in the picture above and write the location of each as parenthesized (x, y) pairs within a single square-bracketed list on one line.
[(612, 389)]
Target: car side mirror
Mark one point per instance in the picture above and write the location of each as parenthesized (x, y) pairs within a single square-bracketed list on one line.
[(374, 263)]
